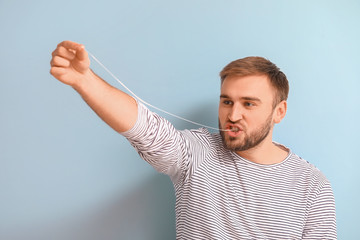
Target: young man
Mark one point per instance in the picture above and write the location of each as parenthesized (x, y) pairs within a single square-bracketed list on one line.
[(237, 184)]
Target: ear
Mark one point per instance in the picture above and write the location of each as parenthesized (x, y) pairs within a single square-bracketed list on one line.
[(280, 111)]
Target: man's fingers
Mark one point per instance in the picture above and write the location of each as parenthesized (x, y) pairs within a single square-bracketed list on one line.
[(63, 52), (57, 71), (76, 48), (59, 62), (70, 45), (69, 59)]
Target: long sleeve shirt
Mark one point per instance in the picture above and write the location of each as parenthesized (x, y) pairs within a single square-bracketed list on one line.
[(220, 195)]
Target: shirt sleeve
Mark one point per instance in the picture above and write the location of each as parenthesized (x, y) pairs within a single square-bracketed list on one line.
[(321, 220), (170, 151)]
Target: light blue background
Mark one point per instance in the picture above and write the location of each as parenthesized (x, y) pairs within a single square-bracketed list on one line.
[(64, 174)]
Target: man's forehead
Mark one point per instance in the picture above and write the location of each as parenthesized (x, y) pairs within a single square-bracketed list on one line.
[(253, 81), (247, 87), (259, 76)]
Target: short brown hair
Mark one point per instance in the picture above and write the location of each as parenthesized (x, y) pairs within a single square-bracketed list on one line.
[(259, 66)]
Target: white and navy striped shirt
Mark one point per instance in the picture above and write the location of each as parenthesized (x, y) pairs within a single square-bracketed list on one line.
[(220, 195)]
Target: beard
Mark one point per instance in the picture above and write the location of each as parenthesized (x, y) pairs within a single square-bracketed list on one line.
[(250, 140)]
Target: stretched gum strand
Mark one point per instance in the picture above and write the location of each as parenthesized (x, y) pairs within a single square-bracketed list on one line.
[(148, 104)]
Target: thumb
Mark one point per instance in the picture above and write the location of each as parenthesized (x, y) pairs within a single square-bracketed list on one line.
[(81, 53)]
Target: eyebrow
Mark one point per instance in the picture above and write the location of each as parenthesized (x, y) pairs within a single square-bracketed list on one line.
[(255, 99)]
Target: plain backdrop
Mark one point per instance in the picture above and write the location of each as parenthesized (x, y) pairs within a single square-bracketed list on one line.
[(64, 174)]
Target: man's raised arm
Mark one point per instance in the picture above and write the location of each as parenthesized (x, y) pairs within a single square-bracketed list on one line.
[(70, 64)]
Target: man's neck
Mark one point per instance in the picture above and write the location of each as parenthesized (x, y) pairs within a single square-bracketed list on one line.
[(265, 153)]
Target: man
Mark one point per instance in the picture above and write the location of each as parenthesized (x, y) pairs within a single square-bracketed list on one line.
[(238, 184)]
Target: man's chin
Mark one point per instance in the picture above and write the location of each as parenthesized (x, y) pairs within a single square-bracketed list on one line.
[(233, 144)]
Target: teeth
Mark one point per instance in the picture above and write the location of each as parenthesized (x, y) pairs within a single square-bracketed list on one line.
[(234, 129)]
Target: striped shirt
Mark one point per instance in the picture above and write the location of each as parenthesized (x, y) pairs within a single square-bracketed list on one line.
[(220, 195)]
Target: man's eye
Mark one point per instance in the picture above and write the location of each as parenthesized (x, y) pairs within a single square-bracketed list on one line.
[(227, 102), (249, 104)]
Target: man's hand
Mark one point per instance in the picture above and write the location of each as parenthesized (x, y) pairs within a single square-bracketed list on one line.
[(70, 63)]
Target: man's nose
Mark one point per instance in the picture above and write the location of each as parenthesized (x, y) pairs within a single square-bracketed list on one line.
[(236, 114)]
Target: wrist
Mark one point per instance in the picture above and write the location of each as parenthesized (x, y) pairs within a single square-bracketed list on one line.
[(85, 81)]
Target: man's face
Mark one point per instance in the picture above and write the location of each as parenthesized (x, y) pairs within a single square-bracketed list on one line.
[(246, 104)]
